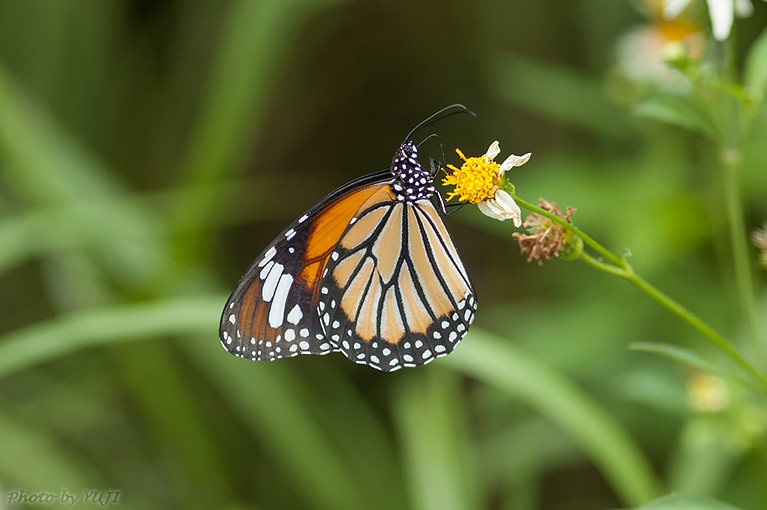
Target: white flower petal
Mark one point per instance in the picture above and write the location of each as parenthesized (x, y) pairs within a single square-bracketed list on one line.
[(502, 207), (485, 209), (721, 13), (513, 161), (672, 8), (493, 150)]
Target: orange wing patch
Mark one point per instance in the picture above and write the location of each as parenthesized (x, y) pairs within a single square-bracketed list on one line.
[(330, 223)]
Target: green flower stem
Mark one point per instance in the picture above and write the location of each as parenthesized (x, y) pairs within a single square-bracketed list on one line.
[(598, 264), (619, 267)]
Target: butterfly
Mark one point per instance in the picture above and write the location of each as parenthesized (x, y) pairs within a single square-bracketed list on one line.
[(369, 271)]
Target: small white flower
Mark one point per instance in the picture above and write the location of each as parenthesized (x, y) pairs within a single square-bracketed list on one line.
[(721, 12), (480, 180), (642, 53), (502, 207)]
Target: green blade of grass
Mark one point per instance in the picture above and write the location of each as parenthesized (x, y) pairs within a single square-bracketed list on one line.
[(63, 335), (686, 502), (269, 399), (266, 396), (692, 359), (496, 361), (46, 167), (255, 39), (360, 436), (429, 418)]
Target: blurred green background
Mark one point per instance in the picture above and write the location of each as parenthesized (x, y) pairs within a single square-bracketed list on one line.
[(150, 149)]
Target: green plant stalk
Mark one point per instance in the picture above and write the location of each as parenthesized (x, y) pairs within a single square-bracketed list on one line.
[(620, 267), (680, 311), (738, 241)]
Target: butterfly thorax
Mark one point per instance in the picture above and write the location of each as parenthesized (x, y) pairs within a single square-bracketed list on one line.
[(412, 182)]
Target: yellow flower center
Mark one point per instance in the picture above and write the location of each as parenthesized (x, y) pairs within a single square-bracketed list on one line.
[(476, 181)]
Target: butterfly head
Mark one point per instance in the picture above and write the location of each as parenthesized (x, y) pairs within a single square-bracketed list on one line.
[(411, 181)]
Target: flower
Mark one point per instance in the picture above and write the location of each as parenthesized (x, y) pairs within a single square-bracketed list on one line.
[(651, 54), (547, 239), (721, 12), (707, 393), (759, 238), (480, 180), (647, 53)]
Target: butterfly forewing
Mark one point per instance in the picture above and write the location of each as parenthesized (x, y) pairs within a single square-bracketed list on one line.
[(272, 312), (395, 292)]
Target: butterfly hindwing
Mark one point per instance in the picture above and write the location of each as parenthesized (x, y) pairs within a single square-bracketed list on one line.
[(395, 292)]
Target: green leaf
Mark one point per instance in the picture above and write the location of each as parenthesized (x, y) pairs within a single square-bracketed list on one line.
[(755, 67), (686, 502), (689, 358), (63, 335), (676, 111), (499, 363)]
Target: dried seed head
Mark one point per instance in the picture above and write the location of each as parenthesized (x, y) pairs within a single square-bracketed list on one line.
[(547, 239)]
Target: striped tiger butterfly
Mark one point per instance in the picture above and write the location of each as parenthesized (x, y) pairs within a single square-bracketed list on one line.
[(369, 271)]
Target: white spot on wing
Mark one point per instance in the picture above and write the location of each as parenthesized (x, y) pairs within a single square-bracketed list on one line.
[(271, 252), (277, 310), (265, 271), (295, 315), (270, 285), (231, 318)]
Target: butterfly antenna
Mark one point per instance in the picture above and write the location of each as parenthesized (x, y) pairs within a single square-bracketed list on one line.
[(439, 140), (441, 162), (442, 114)]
